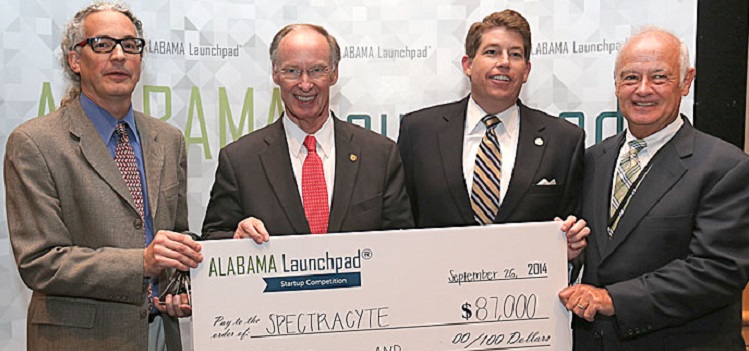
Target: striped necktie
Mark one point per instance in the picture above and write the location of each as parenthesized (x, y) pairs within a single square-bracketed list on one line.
[(487, 173), (626, 174)]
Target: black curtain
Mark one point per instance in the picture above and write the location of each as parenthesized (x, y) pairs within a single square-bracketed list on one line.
[(720, 85)]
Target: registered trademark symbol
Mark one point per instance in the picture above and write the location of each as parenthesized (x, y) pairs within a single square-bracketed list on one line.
[(366, 254)]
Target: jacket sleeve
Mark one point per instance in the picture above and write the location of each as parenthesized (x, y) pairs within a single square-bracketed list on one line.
[(224, 211), (396, 211)]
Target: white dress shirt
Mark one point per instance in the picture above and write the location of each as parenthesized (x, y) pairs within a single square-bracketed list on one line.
[(325, 137), (507, 133)]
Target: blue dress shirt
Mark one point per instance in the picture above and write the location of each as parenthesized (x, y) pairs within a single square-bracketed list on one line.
[(106, 124)]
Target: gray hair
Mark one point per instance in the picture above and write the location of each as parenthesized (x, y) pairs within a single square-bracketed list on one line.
[(74, 33), (335, 50), (684, 64)]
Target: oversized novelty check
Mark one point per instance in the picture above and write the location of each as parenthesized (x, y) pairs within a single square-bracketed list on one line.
[(473, 288)]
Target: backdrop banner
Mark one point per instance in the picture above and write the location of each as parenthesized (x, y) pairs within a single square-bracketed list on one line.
[(207, 71)]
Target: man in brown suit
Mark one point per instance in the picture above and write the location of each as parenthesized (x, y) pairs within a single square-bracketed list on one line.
[(95, 196)]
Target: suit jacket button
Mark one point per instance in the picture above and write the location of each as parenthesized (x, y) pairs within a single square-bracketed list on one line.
[(596, 335), (143, 314), (631, 332), (138, 224)]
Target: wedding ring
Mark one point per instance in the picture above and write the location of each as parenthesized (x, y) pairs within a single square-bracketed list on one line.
[(580, 306)]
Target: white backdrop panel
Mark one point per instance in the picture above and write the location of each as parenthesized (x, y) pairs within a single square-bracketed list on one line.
[(208, 67)]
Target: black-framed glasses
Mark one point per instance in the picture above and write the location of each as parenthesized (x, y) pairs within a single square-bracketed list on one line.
[(294, 73), (105, 45)]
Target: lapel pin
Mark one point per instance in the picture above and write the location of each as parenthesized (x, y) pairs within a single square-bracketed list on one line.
[(353, 157), (538, 141)]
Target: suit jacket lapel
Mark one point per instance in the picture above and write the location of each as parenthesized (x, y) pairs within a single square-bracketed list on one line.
[(346, 170), (153, 158), (95, 151), (603, 173), (527, 161), (450, 140), (276, 162), (667, 168)]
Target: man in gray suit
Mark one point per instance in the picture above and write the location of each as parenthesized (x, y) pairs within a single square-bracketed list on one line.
[(95, 197), (308, 172), (668, 208)]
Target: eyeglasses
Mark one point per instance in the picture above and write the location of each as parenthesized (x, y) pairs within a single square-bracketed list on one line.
[(296, 73), (105, 45)]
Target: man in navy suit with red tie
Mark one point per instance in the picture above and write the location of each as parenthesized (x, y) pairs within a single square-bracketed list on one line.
[(308, 172)]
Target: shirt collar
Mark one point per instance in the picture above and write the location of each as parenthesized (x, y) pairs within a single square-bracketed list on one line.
[(510, 118), (104, 122), (324, 136), (656, 140)]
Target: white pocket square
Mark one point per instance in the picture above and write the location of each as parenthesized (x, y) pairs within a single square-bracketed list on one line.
[(547, 182)]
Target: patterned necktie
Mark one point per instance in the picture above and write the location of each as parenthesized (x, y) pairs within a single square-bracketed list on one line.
[(487, 173), (124, 157), (314, 190), (626, 173)]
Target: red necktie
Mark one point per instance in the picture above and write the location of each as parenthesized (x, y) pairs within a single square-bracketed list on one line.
[(314, 190), (124, 157)]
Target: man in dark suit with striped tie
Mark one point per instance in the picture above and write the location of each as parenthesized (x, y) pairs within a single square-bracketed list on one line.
[(668, 208), (488, 158)]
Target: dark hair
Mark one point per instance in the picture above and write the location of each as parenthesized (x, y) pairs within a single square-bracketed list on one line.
[(509, 19)]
